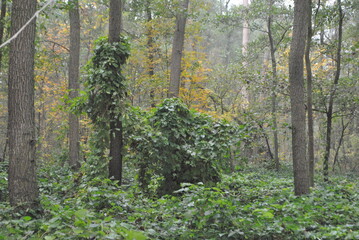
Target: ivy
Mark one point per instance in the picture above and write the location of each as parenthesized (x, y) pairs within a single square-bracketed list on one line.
[(105, 83), (179, 145)]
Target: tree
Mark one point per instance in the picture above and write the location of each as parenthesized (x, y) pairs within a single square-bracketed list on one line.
[(177, 49), (23, 189), (329, 112), (115, 166), (299, 137), (74, 65), (2, 26), (308, 68), (150, 49), (273, 49), (245, 38)]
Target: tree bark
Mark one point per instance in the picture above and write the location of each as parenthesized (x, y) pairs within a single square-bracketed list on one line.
[(115, 21), (310, 98), (299, 148), (74, 72), (177, 49), (115, 165), (332, 95), (23, 188)]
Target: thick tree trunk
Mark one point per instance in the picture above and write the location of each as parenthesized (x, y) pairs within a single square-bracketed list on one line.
[(23, 189), (177, 49), (115, 165), (74, 69), (299, 138), (332, 95), (274, 90), (310, 99)]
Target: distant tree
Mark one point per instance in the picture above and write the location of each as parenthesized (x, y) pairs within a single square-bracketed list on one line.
[(296, 78), (177, 49), (329, 112), (74, 71), (150, 48), (23, 189)]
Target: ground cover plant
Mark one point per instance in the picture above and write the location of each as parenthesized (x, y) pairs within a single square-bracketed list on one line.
[(247, 204)]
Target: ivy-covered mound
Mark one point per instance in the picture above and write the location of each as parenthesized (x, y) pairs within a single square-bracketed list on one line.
[(178, 145)]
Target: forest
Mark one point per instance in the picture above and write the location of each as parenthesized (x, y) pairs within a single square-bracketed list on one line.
[(179, 119)]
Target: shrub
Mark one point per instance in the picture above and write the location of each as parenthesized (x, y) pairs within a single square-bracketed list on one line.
[(180, 145)]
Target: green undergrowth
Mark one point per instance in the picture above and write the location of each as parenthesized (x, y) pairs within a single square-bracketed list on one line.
[(248, 204)]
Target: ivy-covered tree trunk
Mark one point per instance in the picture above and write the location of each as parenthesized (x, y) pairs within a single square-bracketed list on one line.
[(23, 189), (177, 49), (115, 165), (74, 72), (296, 78)]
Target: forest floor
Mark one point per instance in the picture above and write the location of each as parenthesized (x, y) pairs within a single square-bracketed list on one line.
[(248, 204)]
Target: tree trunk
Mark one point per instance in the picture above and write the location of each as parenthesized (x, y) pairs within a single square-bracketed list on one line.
[(340, 143), (23, 189), (245, 37), (177, 49), (332, 95), (74, 67), (300, 163), (115, 165), (310, 99), (2, 27), (150, 49), (274, 94)]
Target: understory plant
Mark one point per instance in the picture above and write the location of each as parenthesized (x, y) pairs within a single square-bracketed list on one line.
[(177, 145)]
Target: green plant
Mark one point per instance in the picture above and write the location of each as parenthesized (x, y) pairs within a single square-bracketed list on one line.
[(180, 145)]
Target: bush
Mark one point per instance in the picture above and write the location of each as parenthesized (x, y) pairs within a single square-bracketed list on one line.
[(179, 145)]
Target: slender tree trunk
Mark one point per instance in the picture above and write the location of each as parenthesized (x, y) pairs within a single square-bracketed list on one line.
[(115, 165), (177, 49), (296, 78), (274, 94), (23, 189), (332, 95), (150, 49), (310, 99), (245, 37), (341, 140), (74, 72), (2, 27)]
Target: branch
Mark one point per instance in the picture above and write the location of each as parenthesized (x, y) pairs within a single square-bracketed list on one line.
[(58, 44), (26, 24)]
